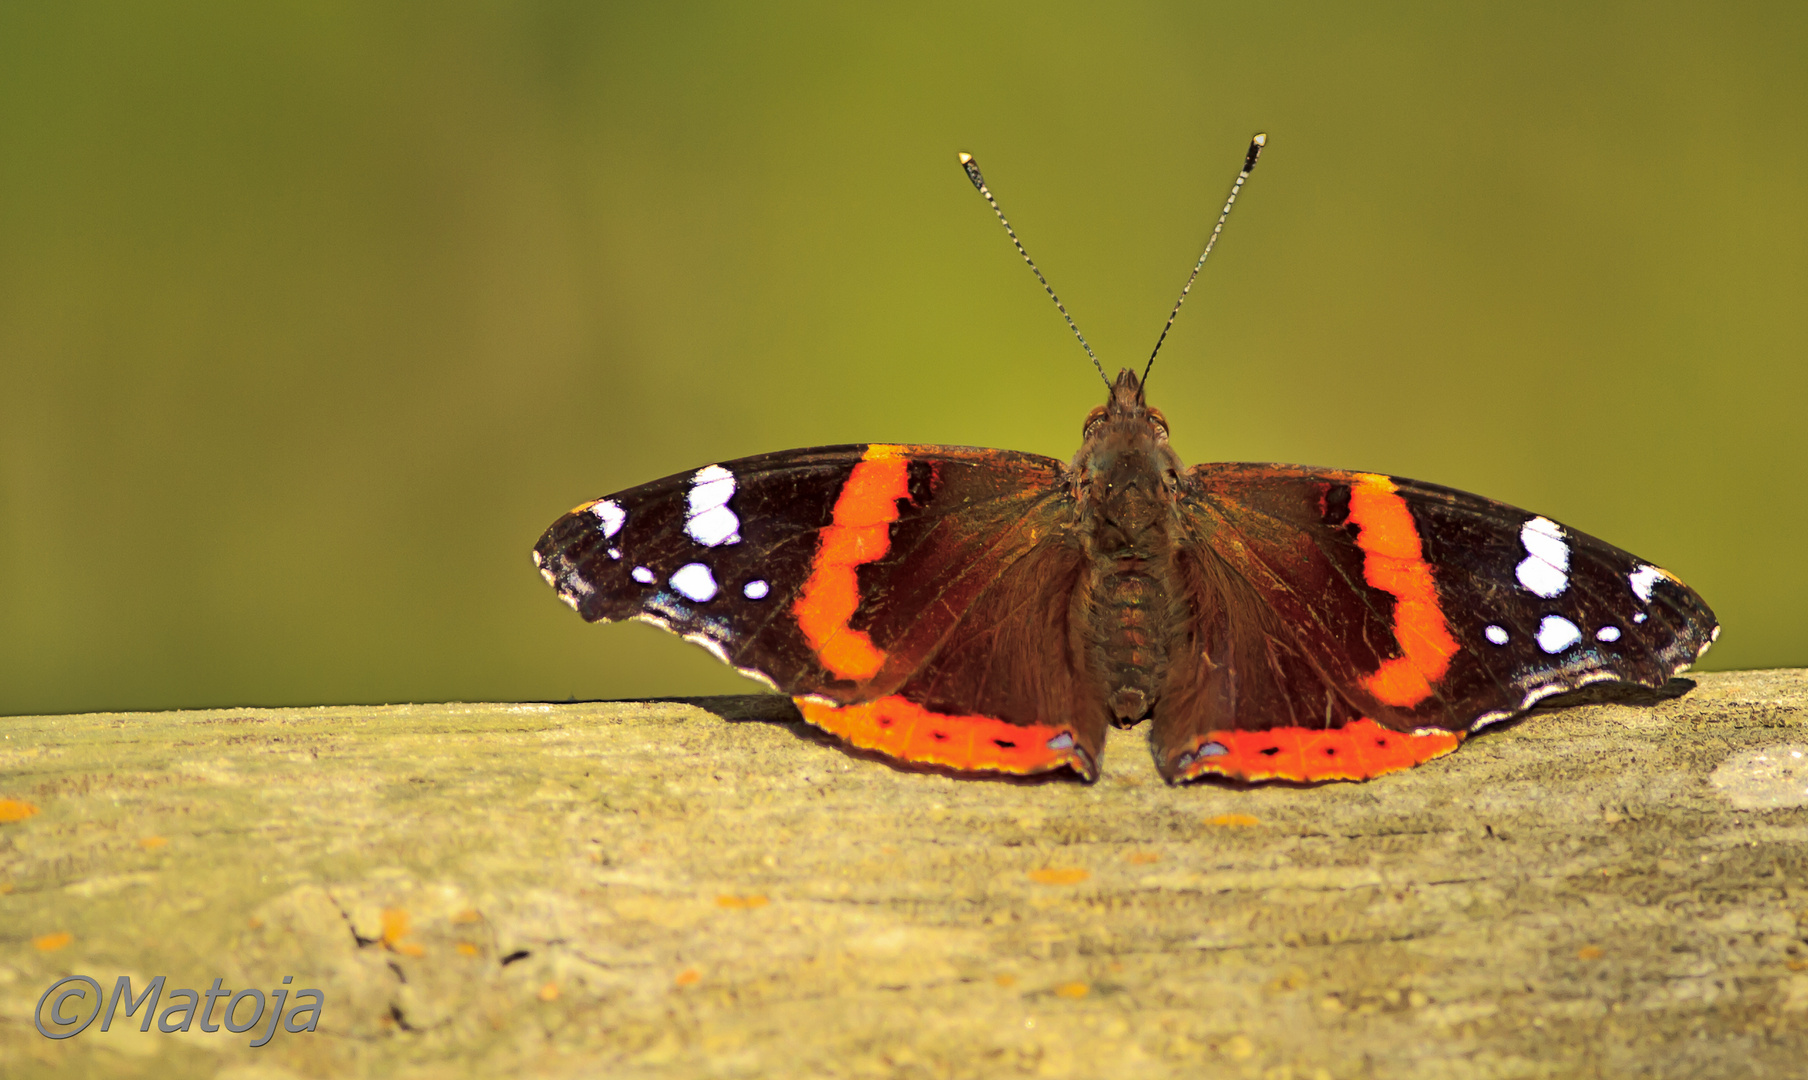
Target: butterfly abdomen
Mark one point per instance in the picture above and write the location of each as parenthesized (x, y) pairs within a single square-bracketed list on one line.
[(1126, 477), (1131, 623)]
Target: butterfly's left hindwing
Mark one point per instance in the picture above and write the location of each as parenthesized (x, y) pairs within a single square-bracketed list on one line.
[(906, 596), (1346, 624)]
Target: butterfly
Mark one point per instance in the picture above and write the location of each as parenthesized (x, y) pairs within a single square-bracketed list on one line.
[(989, 610)]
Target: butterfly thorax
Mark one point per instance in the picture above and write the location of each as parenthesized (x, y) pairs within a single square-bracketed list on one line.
[(1126, 480)]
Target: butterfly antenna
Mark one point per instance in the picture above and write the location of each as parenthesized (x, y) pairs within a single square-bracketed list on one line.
[(1249, 164), (979, 182)]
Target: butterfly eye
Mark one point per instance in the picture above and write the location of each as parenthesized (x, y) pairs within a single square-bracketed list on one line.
[(1159, 420), (1093, 420)]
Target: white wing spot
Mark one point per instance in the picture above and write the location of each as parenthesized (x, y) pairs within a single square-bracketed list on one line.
[(693, 580), (755, 589), (1608, 633), (1643, 580), (1545, 569), (615, 553), (1496, 634), (712, 523), (642, 575), (1640, 617), (1556, 633), (611, 515)]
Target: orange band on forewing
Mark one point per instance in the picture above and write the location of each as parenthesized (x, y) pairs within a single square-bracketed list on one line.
[(860, 532), (909, 732), (1356, 751), (1394, 561)]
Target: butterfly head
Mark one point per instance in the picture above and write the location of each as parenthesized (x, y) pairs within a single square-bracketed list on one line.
[(1126, 413), (1125, 468)]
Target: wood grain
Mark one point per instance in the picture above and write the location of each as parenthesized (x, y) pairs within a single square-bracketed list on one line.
[(656, 889)]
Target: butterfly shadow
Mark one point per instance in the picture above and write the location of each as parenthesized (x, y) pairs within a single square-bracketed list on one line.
[(780, 712), (1636, 695), (1613, 693), (1601, 693)]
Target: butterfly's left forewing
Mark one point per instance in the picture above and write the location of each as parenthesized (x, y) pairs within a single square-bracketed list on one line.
[(1348, 624), (908, 597)]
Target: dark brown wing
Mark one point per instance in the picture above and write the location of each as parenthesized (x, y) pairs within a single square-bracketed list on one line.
[(913, 599), (1347, 624)]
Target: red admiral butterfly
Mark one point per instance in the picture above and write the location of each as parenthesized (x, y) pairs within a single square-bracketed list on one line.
[(991, 610)]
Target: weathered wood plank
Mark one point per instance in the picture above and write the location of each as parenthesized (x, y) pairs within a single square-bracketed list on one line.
[(692, 891)]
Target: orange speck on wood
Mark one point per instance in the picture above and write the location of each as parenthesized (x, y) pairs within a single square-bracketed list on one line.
[(15, 810), (395, 925), (688, 977), (1142, 858), (752, 900), (549, 992), (465, 948), (395, 928), (1006, 981), (5, 887), (1233, 820), (254, 923), (1059, 875), (53, 942), (468, 915), (1075, 990), (152, 843), (1589, 952)]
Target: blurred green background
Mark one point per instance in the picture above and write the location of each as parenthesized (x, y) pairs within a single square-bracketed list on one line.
[(314, 315)]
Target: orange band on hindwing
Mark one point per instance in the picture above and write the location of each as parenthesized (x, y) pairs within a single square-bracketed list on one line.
[(908, 731), (1357, 751), (1393, 560), (860, 532)]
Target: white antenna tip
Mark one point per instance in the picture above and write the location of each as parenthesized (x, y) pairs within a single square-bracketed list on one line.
[(964, 158), (1261, 139)]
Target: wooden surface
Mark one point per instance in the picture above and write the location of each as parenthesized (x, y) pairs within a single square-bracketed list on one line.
[(662, 889)]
